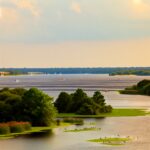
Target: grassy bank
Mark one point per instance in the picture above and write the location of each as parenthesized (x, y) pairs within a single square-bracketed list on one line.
[(33, 130), (121, 112)]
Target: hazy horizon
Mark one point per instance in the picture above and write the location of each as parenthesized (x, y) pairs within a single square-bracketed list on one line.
[(74, 33)]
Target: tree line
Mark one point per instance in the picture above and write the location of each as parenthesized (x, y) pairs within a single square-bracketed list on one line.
[(80, 103), (26, 105), (142, 87), (97, 70), (38, 108)]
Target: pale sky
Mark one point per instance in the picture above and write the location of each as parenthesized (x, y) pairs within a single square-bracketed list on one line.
[(74, 33)]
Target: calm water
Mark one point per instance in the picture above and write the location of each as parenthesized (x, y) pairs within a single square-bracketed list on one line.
[(89, 82), (136, 127), (54, 84)]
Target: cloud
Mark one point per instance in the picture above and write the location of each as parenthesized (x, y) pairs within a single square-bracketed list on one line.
[(75, 7), (0, 12), (28, 5), (141, 9)]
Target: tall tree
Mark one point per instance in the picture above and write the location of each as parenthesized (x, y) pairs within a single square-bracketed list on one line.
[(38, 108), (63, 102)]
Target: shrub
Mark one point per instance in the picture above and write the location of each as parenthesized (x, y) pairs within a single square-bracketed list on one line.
[(4, 129), (17, 127), (14, 127), (129, 92), (27, 126), (107, 109)]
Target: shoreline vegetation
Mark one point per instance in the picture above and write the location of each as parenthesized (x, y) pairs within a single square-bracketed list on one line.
[(34, 111), (86, 70), (142, 88), (33, 130), (131, 72), (116, 112)]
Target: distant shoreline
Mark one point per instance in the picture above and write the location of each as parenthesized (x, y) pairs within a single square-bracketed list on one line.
[(77, 70)]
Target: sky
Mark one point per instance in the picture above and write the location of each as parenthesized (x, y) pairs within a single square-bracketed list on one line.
[(74, 33)]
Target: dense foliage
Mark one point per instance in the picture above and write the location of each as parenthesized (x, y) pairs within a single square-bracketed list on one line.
[(80, 103), (26, 105), (143, 87)]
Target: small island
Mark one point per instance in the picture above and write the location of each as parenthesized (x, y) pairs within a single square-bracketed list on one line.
[(142, 88), (81, 104), (114, 141)]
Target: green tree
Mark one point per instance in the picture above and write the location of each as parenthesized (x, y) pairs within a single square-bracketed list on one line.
[(78, 99), (63, 102), (5, 111), (143, 83), (99, 98), (18, 91), (86, 109), (38, 108), (146, 89)]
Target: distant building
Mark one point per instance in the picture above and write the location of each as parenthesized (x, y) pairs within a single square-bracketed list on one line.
[(35, 73), (3, 73)]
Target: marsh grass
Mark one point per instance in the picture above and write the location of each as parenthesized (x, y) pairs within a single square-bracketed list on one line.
[(84, 129), (114, 141)]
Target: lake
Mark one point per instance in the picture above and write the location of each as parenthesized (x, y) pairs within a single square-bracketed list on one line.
[(54, 84), (136, 127)]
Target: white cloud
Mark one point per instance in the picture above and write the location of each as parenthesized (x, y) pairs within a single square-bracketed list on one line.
[(28, 5), (75, 7)]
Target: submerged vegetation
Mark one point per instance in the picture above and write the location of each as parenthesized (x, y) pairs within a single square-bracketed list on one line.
[(83, 129), (76, 121), (143, 88), (114, 141), (80, 103)]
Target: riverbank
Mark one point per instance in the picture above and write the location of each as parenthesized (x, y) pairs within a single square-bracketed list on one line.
[(33, 130), (117, 112)]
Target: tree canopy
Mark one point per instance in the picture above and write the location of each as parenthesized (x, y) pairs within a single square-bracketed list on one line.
[(26, 105), (80, 103), (142, 87)]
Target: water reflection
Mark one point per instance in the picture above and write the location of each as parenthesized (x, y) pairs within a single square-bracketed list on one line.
[(44, 134), (136, 127)]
